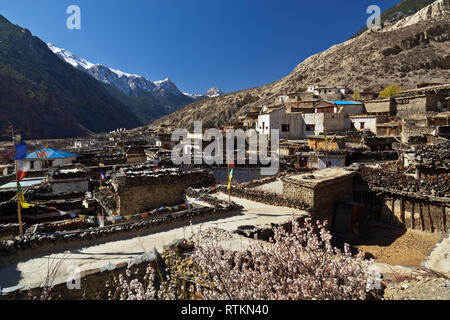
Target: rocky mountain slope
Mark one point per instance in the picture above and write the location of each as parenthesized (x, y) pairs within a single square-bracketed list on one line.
[(48, 98), (401, 10), (149, 100), (412, 51)]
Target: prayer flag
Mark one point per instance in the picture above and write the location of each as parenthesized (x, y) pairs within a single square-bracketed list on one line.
[(22, 165), (230, 177), (21, 198)]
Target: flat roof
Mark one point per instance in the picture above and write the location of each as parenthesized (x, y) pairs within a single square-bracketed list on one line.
[(320, 176), (23, 183)]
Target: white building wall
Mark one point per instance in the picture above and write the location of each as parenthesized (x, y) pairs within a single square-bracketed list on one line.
[(263, 125), (275, 120), (370, 123), (316, 119), (335, 161), (55, 163)]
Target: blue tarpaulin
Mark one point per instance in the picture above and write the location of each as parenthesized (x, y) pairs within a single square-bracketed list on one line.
[(50, 154)]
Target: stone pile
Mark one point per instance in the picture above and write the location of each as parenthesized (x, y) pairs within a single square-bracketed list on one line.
[(437, 156), (65, 225), (9, 229), (383, 180), (135, 178), (356, 156), (106, 198), (90, 160)]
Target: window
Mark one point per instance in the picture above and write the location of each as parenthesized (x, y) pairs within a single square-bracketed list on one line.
[(31, 165), (363, 125), (352, 125), (310, 127), (285, 128)]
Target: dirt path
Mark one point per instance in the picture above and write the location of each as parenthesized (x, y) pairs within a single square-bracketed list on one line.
[(396, 246)]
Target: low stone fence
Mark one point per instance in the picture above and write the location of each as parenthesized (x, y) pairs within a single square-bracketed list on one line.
[(257, 183), (265, 197), (9, 229), (38, 240), (203, 195)]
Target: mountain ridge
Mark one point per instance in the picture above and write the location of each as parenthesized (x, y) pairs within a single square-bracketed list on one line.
[(162, 96), (45, 97), (407, 55)]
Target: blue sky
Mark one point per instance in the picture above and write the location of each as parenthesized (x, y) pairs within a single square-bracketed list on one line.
[(231, 44)]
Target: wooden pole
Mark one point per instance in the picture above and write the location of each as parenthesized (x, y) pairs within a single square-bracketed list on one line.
[(422, 221), (229, 182), (431, 220), (402, 211), (11, 132), (393, 210), (444, 220), (19, 208)]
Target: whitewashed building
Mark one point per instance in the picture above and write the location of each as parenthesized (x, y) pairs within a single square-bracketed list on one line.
[(290, 125), (362, 122), (327, 116)]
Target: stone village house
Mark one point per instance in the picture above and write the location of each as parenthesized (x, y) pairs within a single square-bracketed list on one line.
[(324, 117)]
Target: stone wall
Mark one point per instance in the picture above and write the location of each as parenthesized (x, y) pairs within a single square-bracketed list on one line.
[(30, 244), (417, 104), (411, 130), (134, 200), (138, 192), (380, 106), (322, 196), (265, 197), (70, 186)]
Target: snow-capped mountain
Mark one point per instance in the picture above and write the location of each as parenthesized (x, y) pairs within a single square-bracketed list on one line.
[(131, 84), (214, 92), (211, 93), (147, 99)]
